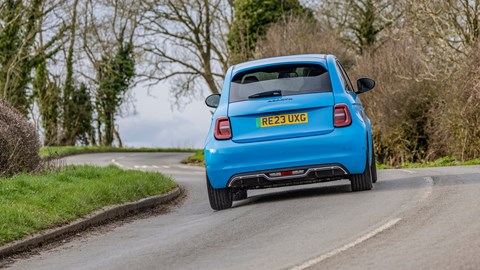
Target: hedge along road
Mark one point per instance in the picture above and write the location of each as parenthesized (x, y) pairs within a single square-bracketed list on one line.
[(412, 219)]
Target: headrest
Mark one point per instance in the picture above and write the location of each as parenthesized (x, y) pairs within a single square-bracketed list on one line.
[(250, 79)]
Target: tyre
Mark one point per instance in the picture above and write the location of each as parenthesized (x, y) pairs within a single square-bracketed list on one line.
[(373, 169), (363, 181), (220, 198)]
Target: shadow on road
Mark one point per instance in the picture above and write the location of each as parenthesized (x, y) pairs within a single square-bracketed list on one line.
[(454, 180), (295, 194), (341, 188)]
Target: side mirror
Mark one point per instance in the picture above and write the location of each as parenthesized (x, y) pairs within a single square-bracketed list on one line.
[(212, 101), (365, 85)]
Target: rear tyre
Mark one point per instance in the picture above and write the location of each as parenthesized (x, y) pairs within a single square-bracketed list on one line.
[(363, 181), (374, 169), (220, 198)]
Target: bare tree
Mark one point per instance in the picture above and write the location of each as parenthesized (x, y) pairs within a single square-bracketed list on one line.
[(20, 25), (361, 23), (45, 90), (105, 40), (185, 41), (452, 27)]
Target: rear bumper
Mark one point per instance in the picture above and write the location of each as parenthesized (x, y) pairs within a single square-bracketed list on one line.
[(343, 147), (304, 175)]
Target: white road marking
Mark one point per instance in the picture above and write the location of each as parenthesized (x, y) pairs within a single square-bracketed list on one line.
[(149, 166), (359, 240), (184, 166), (408, 171), (166, 167), (116, 163)]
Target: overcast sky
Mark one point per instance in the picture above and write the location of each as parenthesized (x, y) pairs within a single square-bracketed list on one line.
[(156, 124)]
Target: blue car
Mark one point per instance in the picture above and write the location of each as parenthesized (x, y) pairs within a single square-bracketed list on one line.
[(284, 121)]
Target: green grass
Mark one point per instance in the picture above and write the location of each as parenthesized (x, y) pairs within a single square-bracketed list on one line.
[(382, 166), (196, 159), (30, 203), (442, 162), (62, 151)]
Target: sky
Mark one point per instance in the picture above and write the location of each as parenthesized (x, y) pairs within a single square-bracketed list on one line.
[(157, 123)]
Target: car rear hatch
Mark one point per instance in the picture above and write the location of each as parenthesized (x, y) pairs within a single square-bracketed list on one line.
[(281, 102)]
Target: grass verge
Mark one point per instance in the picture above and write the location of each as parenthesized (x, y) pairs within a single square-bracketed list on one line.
[(63, 151), (199, 159), (31, 203), (442, 162), (196, 159)]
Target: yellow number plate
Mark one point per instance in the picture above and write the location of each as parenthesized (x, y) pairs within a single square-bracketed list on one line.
[(283, 119)]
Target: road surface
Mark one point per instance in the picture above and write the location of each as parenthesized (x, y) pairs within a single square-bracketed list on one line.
[(412, 219)]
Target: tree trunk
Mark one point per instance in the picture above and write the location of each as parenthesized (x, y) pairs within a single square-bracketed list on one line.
[(109, 128), (68, 124), (117, 136)]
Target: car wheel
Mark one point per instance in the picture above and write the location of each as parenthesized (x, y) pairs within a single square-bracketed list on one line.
[(374, 169), (220, 198), (362, 181)]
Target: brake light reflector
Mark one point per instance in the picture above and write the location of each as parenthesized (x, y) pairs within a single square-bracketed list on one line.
[(342, 117), (223, 131)]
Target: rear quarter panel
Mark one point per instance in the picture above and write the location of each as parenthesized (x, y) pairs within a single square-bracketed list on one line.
[(222, 108), (350, 98)]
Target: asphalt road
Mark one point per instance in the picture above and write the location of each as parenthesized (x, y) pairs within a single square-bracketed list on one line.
[(412, 219)]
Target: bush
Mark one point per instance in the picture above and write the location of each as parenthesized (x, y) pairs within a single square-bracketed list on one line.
[(399, 106), (454, 124), (19, 142), (300, 35)]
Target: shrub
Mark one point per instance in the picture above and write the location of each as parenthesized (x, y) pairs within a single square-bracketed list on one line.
[(300, 35), (454, 124), (399, 105), (19, 142)]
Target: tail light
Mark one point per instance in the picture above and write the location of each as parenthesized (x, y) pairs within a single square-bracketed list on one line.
[(223, 130), (342, 117)]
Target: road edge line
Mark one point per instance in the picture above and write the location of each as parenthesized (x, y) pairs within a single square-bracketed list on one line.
[(116, 163), (345, 247), (96, 218)]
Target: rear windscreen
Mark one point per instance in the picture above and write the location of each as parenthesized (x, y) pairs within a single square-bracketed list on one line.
[(289, 79)]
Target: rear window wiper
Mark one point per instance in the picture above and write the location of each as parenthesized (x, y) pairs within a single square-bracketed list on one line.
[(273, 93)]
